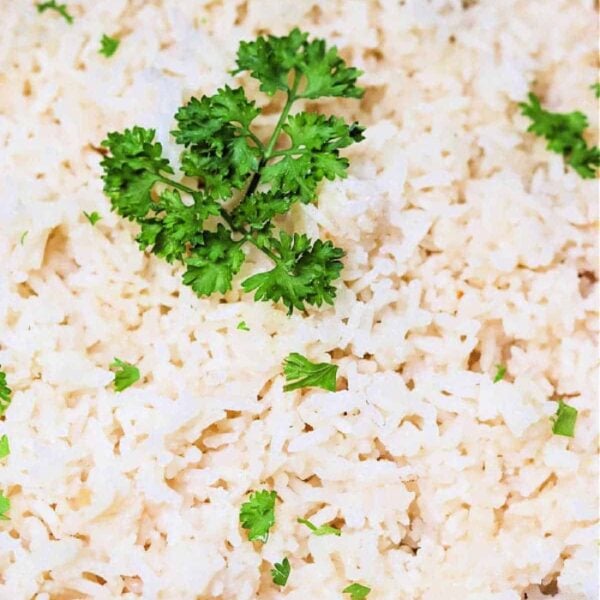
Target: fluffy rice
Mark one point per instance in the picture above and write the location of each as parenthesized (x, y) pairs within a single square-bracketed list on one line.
[(468, 245)]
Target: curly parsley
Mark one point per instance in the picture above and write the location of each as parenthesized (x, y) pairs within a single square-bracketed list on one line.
[(108, 45), (258, 515), (564, 133), (5, 393), (225, 158)]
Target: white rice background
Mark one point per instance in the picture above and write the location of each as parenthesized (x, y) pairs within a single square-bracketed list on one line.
[(468, 245)]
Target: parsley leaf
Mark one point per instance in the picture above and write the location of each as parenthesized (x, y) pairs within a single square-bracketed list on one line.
[(237, 184), (357, 591), (126, 374), (4, 507), (242, 326), (281, 572), (108, 45), (221, 150), (93, 218), (322, 529), (564, 133), (4, 446), (212, 266), (61, 9), (304, 272), (5, 393), (313, 155), (258, 515), (596, 88), (500, 373), (300, 373), (563, 423), (272, 59)]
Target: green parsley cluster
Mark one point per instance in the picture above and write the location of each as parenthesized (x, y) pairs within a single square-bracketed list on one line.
[(236, 184)]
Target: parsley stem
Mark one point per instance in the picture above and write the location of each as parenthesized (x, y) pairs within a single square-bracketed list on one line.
[(283, 117), (180, 186)]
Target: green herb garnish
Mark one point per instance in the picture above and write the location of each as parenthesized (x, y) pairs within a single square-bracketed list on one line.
[(5, 393), (242, 326), (564, 133), (596, 88), (4, 446), (61, 9), (223, 155), (300, 373), (280, 572), (258, 515), (500, 373), (4, 507), (357, 591), (563, 423), (126, 374), (108, 45), (93, 218), (322, 529), (23, 236)]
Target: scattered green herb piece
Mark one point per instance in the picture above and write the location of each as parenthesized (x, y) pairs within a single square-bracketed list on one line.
[(564, 133), (108, 45), (4, 507), (223, 154), (300, 373), (322, 530), (5, 393), (258, 515), (93, 218), (242, 326), (500, 373), (126, 374), (280, 572), (61, 9), (563, 423), (4, 446), (596, 88), (357, 591), (23, 236)]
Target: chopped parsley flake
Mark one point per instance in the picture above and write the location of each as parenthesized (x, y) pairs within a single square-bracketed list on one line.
[(564, 133), (5, 393), (4, 507), (23, 236), (4, 446), (280, 572), (357, 591), (258, 515), (108, 45), (563, 423), (61, 9), (242, 326), (596, 88), (126, 374), (321, 530), (93, 218), (300, 373), (500, 373)]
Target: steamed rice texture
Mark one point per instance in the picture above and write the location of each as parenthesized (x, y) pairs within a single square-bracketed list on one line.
[(468, 245)]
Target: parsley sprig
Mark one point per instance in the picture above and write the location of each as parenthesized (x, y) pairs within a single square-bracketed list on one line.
[(564, 133), (5, 393), (241, 183), (281, 572), (300, 373)]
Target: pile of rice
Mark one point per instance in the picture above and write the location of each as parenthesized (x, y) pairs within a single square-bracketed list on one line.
[(468, 245)]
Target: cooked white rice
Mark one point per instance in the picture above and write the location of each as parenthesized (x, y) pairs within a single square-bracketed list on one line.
[(468, 245)]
